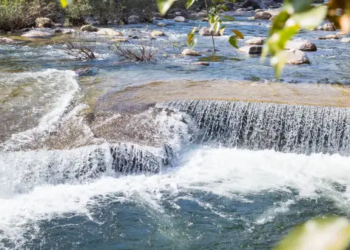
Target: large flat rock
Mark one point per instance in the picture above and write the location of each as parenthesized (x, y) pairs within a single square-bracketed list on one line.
[(135, 99)]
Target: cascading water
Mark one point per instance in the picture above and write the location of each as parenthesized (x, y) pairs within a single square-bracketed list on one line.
[(259, 126)]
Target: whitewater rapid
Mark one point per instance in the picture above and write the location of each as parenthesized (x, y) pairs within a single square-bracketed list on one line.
[(231, 173)]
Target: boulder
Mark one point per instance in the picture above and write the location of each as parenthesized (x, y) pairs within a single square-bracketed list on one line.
[(37, 34), (296, 57), (157, 33), (329, 37), (251, 50), (256, 41), (251, 18), (345, 40), (89, 28), (329, 27), (108, 32), (180, 19), (255, 4), (133, 19), (263, 15), (208, 32), (203, 13), (242, 9), (190, 52), (43, 22), (341, 34), (303, 46)]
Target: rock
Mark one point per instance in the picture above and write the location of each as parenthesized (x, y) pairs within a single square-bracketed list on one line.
[(205, 19), (242, 10), (256, 41), (251, 18), (263, 15), (161, 24), (259, 10), (133, 19), (345, 40), (57, 31), (251, 50), (38, 34), (108, 32), (250, 8), (207, 32), (190, 52), (8, 40), (202, 63), (201, 14), (157, 33), (329, 37), (341, 34), (303, 46), (296, 57), (180, 19), (254, 4), (89, 28), (329, 27), (43, 22)]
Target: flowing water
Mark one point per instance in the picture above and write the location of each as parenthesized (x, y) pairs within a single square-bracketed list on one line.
[(76, 173)]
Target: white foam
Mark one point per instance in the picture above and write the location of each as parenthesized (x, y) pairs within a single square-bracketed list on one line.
[(58, 90), (230, 173)]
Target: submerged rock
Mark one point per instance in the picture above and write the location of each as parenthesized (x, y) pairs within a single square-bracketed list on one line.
[(108, 32), (207, 32), (296, 57), (8, 40), (160, 24), (38, 34), (180, 19), (303, 46), (256, 41), (89, 28), (202, 63), (43, 22), (251, 50), (190, 52), (157, 33), (329, 37)]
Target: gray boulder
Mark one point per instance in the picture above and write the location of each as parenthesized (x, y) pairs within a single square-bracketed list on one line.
[(190, 52), (303, 46), (89, 28), (208, 32), (296, 57), (43, 22), (251, 50), (256, 41), (263, 15), (180, 19)]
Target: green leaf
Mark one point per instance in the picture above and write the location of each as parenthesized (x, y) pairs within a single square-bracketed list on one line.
[(191, 38), (230, 18), (233, 40), (331, 233), (312, 18), (164, 5), (238, 34), (189, 3)]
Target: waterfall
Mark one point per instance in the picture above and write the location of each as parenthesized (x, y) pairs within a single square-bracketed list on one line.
[(260, 126)]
